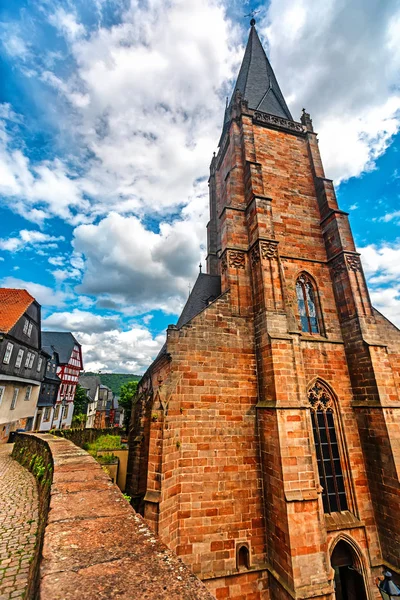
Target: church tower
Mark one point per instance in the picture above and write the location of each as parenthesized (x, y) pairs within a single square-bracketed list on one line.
[(265, 441)]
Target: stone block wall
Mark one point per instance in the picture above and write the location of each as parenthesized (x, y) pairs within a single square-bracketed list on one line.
[(94, 544), (203, 491)]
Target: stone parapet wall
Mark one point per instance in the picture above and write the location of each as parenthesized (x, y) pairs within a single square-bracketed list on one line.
[(91, 538)]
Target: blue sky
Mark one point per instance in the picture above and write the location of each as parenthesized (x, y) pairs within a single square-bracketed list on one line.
[(109, 113)]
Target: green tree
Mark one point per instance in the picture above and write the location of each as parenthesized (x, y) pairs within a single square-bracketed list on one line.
[(128, 391), (80, 401)]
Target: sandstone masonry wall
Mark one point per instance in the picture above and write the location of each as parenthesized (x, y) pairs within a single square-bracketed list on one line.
[(93, 539)]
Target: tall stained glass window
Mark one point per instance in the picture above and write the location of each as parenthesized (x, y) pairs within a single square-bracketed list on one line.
[(307, 304), (326, 444)]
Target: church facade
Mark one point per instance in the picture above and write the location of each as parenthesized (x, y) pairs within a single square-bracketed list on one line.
[(265, 440)]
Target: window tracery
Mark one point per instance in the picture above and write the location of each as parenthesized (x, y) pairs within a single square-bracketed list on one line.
[(327, 449), (307, 304)]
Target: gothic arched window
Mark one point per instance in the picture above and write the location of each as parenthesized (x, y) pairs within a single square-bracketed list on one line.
[(306, 301), (327, 448)]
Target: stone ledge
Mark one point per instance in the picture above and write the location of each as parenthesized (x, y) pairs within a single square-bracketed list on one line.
[(94, 541)]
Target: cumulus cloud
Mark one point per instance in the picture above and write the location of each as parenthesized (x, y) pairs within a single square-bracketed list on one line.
[(29, 239), (36, 191), (45, 295), (381, 263), (105, 345), (130, 351), (340, 60), (67, 24), (145, 111), (81, 321), (139, 269), (382, 269)]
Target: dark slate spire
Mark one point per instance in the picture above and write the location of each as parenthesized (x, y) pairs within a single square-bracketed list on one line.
[(257, 82)]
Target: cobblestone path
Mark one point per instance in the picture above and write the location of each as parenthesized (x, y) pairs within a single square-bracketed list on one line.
[(18, 524)]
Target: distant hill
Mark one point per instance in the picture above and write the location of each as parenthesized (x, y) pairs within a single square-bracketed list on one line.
[(115, 380)]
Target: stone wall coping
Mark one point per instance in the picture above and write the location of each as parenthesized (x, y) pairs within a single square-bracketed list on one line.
[(96, 546)]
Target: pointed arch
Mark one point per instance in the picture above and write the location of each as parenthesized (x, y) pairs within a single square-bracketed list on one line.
[(358, 566), (308, 304), (322, 402)]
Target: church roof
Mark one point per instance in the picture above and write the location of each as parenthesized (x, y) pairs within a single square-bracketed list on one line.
[(205, 290), (257, 82)]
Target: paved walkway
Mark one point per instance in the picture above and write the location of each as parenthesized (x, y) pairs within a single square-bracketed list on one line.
[(18, 524)]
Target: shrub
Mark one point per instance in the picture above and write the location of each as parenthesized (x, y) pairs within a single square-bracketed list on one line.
[(106, 459)]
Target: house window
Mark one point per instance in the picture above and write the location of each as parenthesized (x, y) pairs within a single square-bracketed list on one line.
[(47, 413), (27, 360), (2, 390), (56, 412), (327, 449), (14, 398), (31, 360), (65, 412), (8, 352), (39, 365), (28, 392), (30, 326), (306, 301), (19, 358), (26, 325)]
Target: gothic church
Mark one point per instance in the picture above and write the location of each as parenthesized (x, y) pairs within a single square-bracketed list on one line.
[(265, 440)]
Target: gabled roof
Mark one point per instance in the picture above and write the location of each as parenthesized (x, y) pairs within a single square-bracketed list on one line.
[(13, 304), (90, 383), (205, 290), (257, 82), (62, 342)]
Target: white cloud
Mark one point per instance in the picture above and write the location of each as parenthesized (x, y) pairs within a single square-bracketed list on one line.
[(67, 24), (44, 295), (382, 268), (57, 261), (340, 59), (145, 101), (81, 321), (105, 346), (138, 269), (387, 301), (36, 191), (392, 216), (15, 46), (29, 238)]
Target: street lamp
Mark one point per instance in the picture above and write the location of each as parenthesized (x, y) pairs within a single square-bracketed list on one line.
[(388, 589)]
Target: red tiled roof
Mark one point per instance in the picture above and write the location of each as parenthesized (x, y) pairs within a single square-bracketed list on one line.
[(13, 304)]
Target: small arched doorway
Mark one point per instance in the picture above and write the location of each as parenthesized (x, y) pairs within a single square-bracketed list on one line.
[(349, 580)]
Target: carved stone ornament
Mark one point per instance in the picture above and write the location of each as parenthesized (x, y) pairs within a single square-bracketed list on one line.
[(224, 263), (353, 263), (255, 255), (269, 249), (236, 259), (262, 117), (320, 398)]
